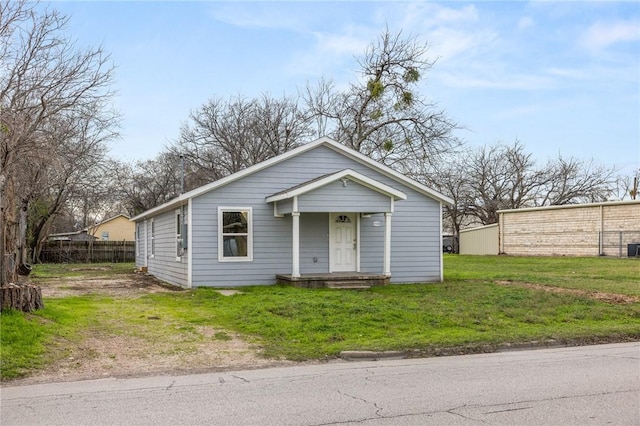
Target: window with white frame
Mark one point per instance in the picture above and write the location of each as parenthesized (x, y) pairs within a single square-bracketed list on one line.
[(235, 234), (179, 231)]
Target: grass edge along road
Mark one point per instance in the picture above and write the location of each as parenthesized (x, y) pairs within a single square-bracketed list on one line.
[(483, 303)]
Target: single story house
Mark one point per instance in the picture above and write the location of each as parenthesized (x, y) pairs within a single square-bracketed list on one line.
[(320, 209), (116, 228)]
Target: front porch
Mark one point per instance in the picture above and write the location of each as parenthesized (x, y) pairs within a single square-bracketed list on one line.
[(346, 197), (346, 280)]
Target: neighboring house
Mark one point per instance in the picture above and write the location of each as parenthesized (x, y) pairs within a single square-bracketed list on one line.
[(321, 208), (71, 236), (117, 228), (597, 229)]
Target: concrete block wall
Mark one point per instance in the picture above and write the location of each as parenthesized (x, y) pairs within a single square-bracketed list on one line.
[(572, 230)]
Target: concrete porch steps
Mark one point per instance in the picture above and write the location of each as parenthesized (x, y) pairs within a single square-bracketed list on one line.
[(347, 285), (361, 280)]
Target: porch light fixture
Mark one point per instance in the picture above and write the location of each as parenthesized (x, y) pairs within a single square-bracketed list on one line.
[(344, 181)]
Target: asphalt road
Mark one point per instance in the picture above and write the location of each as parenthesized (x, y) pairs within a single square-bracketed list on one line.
[(564, 386)]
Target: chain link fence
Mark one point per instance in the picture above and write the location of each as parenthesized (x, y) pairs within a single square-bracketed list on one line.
[(620, 243)]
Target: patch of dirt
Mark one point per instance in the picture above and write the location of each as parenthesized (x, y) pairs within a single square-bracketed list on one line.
[(618, 299), (131, 285), (106, 355)]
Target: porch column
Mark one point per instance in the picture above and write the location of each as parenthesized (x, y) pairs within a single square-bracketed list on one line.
[(387, 244), (295, 237)]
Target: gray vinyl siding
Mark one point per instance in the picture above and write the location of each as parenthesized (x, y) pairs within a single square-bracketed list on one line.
[(372, 244), (271, 240), (335, 197), (285, 206), (314, 243), (163, 264), (415, 227), (141, 236), (415, 240)]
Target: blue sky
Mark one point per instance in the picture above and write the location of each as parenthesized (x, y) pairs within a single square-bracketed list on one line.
[(562, 77)]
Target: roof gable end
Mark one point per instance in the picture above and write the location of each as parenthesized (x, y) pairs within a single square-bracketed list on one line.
[(324, 141), (326, 179)]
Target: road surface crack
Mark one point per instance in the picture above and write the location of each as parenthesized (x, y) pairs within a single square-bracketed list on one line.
[(507, 410), (453, 411), (375, 405), (241, 378)]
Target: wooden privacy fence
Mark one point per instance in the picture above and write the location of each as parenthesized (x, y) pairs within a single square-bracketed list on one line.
[(88, 251)]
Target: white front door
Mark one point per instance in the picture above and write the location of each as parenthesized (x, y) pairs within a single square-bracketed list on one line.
[(343, 242)]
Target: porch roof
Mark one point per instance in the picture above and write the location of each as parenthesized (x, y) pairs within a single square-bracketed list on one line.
[(348, 174)]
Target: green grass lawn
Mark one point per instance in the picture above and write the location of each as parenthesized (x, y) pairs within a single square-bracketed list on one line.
[(468, 310), (613, 275)]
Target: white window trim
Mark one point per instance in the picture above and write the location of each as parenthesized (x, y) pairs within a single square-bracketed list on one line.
[(249, 257)]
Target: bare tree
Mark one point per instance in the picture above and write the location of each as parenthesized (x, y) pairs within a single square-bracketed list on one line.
[(55, 115), (450, 177), (146, 184), (571, 180), (224, 137), (502, 177), (383, 115), (627, 186)]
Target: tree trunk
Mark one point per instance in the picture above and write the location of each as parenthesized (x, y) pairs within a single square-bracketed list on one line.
[(21, 297), (3, 273), (22, 234)]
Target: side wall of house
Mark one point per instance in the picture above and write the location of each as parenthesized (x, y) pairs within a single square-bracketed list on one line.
[(162, 259), (141, 237), (415, 242), (570, 231), (416, 239)]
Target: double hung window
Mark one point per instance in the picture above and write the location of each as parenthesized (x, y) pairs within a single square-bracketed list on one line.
[(235, 234), (179, 237)]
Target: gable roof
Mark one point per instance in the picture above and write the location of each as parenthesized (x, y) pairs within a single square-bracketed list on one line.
[(69, 235), (349, 174), (324, 141)]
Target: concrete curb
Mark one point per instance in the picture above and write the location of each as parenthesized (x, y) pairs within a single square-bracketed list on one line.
[(371, 355), (479, 349)]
